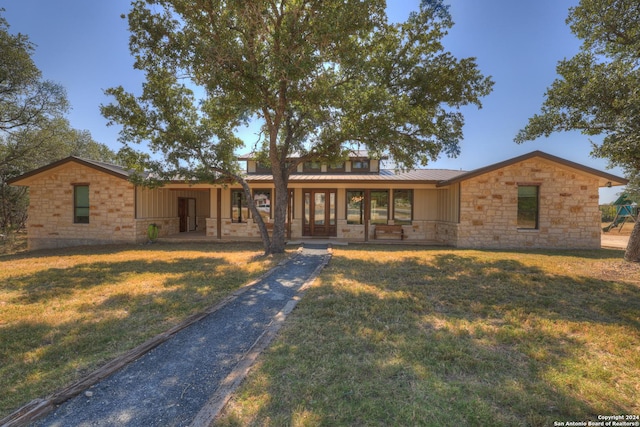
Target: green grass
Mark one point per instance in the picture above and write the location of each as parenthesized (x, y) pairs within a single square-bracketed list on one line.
[(412, 336), (64, 313)]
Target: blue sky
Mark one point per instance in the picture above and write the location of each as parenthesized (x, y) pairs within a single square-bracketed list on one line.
[(83, 45)]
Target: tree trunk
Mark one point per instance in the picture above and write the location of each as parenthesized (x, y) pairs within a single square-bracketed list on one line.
[(280, 182), (280, 218), (632, 253), (257, 218)]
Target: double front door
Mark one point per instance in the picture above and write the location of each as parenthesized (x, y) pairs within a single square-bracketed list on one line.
[(320, 213)]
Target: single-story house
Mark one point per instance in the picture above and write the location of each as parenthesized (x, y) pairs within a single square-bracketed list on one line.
[(532, 201)]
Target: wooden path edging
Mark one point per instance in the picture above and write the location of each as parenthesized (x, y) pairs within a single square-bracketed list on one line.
[(40, 407)]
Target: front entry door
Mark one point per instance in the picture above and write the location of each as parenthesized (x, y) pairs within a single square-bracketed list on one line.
[(320, 213), (187, 214)]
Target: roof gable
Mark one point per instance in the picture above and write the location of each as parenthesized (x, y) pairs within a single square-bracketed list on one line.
[(107, 168), (605, 178)]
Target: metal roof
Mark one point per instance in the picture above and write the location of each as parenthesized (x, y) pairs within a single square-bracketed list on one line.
[(432, 176), (440, 177)]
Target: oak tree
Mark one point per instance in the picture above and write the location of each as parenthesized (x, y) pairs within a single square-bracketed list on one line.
[(598, 90), (33, 129), (320, 76)]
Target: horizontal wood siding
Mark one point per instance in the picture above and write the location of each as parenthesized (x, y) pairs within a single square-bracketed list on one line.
[(163, 202)]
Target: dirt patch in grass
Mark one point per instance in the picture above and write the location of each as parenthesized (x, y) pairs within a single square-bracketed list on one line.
[(621, 230), (414, 336), (65, 312)]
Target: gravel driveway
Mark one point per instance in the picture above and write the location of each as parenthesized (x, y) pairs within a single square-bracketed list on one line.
[(172, 384)]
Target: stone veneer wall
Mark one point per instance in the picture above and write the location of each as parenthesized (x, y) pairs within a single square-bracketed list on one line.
[(446, 233), (111, 211), (569, 216), (166, 226), (350, 231)]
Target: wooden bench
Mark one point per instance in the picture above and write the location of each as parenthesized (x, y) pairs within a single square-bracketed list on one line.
[(388, 231)]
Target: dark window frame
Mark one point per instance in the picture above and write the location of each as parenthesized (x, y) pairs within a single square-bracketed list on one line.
[(371, 198), (360, 169), (242, 201), (528, 207), (395, 219), (261, 168), (341, 168), (271, 192), (309, 166), (362, 206), (81, 219)]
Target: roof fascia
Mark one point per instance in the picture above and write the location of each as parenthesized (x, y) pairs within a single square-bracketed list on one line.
[(486, 169), (43, 169)]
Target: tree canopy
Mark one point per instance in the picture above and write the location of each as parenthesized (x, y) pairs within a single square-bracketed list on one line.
[(320, 76), (598, 90), (33, 127)]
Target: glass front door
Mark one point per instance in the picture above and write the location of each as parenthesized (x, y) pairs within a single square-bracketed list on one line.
[(320, 213)]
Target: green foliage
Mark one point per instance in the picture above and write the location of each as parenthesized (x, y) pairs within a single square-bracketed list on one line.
[(33, 130), (607, 213), (596, 91)]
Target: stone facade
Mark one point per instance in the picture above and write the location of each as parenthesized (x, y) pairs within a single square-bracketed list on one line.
[(51, 212), (569, 216), (476, 209)]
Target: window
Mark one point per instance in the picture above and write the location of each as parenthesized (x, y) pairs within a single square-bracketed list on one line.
[(263, 167), (262, 199), (379, 206), (402, 206), (239, 209), (81, 204), (360, 165), (355, 207), (528, 207), (312, 166), (335, 167)]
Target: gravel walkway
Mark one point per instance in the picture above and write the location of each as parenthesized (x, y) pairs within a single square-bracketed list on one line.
[(187, 379)]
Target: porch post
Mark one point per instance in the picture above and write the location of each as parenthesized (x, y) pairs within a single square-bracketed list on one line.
[(367, 213), (219, 213)]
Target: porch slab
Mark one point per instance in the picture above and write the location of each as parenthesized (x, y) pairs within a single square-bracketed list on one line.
[(200, 236)]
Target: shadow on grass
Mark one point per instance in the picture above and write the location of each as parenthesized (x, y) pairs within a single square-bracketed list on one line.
[(98, 310), (452, 338)]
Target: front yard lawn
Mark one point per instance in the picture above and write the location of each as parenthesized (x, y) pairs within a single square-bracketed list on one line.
[(412, 336), (64, 313)]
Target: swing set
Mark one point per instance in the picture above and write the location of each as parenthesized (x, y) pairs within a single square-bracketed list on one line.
[(625, 211)]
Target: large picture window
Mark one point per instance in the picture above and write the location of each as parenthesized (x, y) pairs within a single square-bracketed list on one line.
[(379, 206), (240, 211), (355, 207), (239, 208), (81, 204), (262, 199), (402, 206), (528, 207)]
